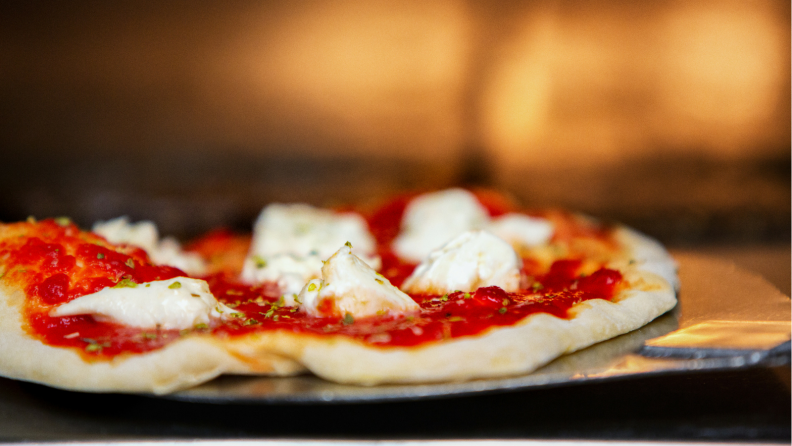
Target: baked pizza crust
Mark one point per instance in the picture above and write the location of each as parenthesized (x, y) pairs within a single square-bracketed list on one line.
[(181, 364), (501, 351)]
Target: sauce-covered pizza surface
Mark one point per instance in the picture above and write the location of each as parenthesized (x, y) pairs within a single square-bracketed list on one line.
[(419, 271)]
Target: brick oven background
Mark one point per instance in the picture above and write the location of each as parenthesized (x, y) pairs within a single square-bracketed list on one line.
[(670, 116)]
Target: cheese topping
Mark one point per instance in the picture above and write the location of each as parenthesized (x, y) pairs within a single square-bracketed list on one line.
[(144, 235), (521, 230), (350, 287), (473, 260), (290, 241), (431, 220), (288, 271), (176, 303)]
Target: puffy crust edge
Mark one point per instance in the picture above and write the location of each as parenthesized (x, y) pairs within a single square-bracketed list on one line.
[(533, 342), (536, 340), (181, 364)]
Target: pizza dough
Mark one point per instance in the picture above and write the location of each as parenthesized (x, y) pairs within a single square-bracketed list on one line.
[(501, 351), (647, 269), (181, 364)]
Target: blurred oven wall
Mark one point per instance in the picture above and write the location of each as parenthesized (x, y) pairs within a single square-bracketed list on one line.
[(672, 116)]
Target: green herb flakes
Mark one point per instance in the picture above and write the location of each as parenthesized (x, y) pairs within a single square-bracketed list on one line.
[(175, 285), (349, 245), (444, 298), (502, 310), (259, 261), (251, 322), (312, 287), (63, 221), (467, 296), (348, 319), (100, 256), (93, 345), (201, 326), (126, 282), (536, 286)]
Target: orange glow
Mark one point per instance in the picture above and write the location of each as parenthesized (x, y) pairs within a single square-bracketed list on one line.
[(362, 76), (553, 84), (725, 69), (600, 84)]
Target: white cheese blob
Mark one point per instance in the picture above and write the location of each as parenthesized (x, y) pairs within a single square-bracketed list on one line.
[(290, 241), (175, 303), (521, 230), (473, 260), (144, 235), (353, 288), (288, 271), (431, 220)]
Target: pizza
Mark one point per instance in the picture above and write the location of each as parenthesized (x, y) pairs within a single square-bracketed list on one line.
[(441, 286)]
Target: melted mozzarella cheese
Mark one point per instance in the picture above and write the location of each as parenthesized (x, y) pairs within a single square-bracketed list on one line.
[(288, 271), (521, 230), (431, 220), (352, 287), (176, 303), (472, 260), (290, 241), (144, 235)]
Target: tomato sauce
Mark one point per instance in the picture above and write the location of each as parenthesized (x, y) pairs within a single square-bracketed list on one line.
[(54, 262), (440, 317)]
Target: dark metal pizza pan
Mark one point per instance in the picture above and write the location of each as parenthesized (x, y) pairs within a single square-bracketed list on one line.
[(727, 318)]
